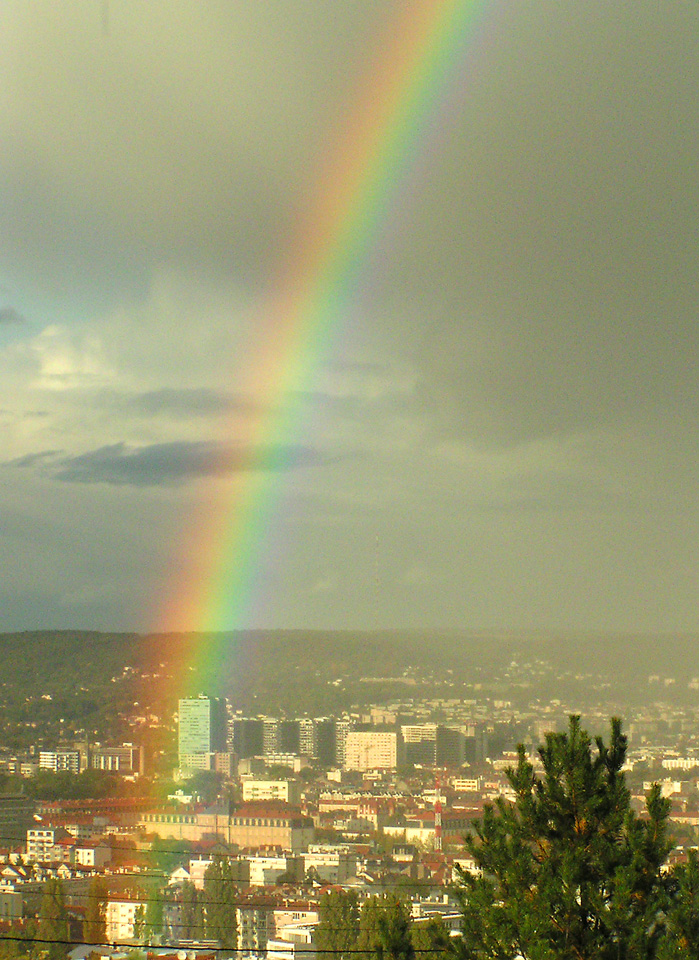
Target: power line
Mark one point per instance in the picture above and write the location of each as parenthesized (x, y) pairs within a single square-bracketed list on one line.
[(184, 946)]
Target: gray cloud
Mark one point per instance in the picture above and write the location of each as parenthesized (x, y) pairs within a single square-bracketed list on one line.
[(514, 350), (201, 402), (9, 315), (35, 459), (164, 463)]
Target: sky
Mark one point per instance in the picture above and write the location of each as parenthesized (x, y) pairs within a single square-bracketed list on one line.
[(499, 430)]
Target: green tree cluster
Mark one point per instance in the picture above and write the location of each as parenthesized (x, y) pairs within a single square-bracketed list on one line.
[(53, 926), (219, 903), (381, 929), (568, 871), (94, 929)]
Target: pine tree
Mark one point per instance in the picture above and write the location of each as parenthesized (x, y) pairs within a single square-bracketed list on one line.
[(681, 941), (220, 903), (338, 927), (430, 938), (569, 872)]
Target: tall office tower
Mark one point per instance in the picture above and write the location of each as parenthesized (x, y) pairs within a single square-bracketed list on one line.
[(451, 747), (270, 735), (420, 743), (289, 736), (342, 728), (325, 741), (307, 737), (248, 737), (202, 730)]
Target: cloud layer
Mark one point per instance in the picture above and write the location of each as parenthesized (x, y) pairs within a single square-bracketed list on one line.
[(500, 413)]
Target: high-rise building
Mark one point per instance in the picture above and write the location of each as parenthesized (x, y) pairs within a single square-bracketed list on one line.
[(202, 728), (307, 737), (325, 741), (248, 737), (420, 743), (342, 728), (373, 750)]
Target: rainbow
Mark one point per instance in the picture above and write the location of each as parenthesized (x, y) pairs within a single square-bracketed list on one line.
[(395, 125)]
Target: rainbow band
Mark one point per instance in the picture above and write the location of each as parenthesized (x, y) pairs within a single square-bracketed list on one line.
[(384, 139)]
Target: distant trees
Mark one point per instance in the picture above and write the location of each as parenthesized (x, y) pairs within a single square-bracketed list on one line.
[(430, 937), (381, 929), (385, 929), (192, 915), (569, 871), (52, 928), (94, 929), (338, 927), (219, 903)]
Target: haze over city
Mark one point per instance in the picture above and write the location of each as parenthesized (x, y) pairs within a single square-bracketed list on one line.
[(499, 430)]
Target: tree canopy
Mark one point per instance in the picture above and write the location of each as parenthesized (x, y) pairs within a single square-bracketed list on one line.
[(568, 871)]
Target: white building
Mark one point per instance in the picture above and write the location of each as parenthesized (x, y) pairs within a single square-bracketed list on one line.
[(60, 760), (120, 916), (371, 750), (288, 791)]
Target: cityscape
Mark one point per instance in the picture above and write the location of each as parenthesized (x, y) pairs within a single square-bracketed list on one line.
[(348, 480), (376, 800)]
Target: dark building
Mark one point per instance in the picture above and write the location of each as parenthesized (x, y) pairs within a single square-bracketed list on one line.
[(16, 817), (450, 747), (325, 742), (248, 737)]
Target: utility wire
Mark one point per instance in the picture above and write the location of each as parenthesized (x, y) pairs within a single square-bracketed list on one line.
[(189, 946)]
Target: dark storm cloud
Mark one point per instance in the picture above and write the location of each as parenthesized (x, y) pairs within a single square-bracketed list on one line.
[(569, 184), (164, 463), (534, 264), (189, 403), (35, 459), (9, 315), (193, 130)]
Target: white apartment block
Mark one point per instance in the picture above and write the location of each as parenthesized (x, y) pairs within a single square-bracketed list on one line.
[(120, 916), (371, 750), (289, 791), (60, 760)]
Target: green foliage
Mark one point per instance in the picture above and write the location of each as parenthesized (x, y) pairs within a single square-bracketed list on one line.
[(385, 929), (207, 784), (139, 923), (167, 854), (192, 912), (153, 918), (568, 869), (219, 903), (431, 937), (681, 941), (53, 921), (338, 928), (94, 930), (90, 784)]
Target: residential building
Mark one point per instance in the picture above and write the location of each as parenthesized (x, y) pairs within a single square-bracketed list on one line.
[(120, 917), (288, 791), (126, 759), (60, 761), (372, 750)]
